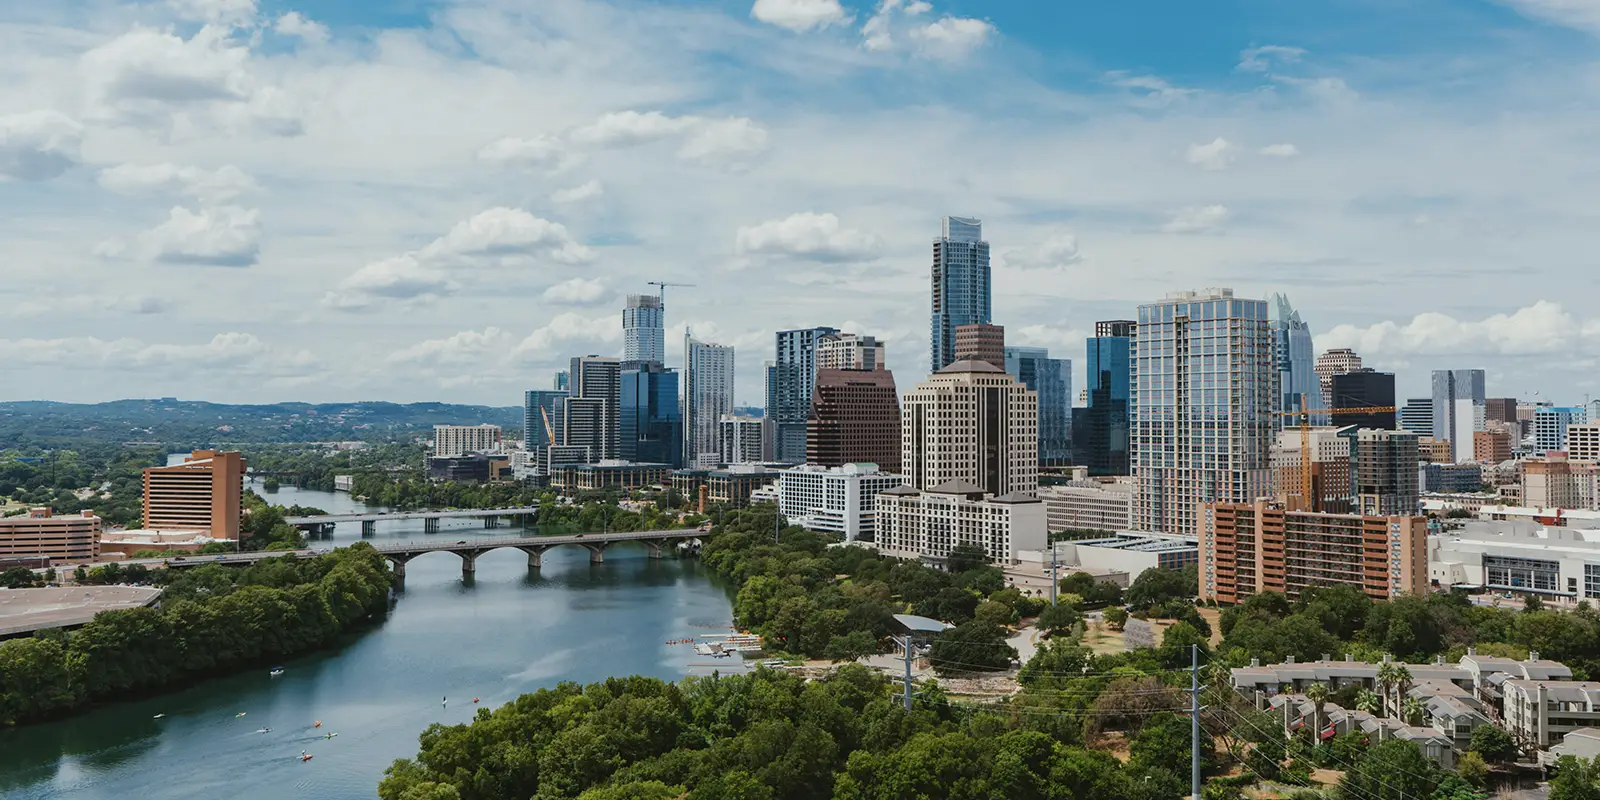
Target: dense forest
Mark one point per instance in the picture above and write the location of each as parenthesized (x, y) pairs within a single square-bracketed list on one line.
[(109, 478), (212, 619)]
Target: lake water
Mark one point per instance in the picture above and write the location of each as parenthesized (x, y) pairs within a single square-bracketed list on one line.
[(509, 632)]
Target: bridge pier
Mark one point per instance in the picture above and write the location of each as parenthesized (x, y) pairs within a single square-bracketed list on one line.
[(469, 564), (430, 525), (398, 563), (535, 556), (491, 522), (369, 527), (597, 552), (654, 546)]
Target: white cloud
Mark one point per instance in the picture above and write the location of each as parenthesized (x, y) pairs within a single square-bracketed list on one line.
[(1280, 150), (90, 304), (1261, 59), (1155, 90), (952, 38), (630, 128), (578, 194), (224, 236), (729, 141), (818, 237), (1196, 219), (223, 183), (578, 292), (724, 141), (508, 231), (1544, 328), (541, 152), (295, 24), (465, 347), (225, 353), (1583, 15), (799, 16), (1215, 155), (1058, 250), (231, 12), (38, 145), (546, 344)]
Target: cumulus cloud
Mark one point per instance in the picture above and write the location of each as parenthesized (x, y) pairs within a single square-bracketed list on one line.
[(728, 141), (223, 183), (1196, 219), (949, 37), (1154, 90), (1280, 151), (818, 237), (545, 344), (1058, 250), (630, 128), (38, 145), (224, 236), (295, 24), (1213, 156), (539, 153), (578, 194), (1583, 15), (1262, 59), (578, 292), (799, 16), (466, 346), (724, 141), (231, 352), (1544, 328), (231, 12)]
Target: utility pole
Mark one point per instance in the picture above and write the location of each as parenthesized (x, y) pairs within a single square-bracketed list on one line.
[(1194, 720), (775, 522), (1053, 581), (906, 686)]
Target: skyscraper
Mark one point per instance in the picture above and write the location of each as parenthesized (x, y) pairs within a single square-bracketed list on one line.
[(961, 291), (971, 422), (791, 381), (1051, 379), (1417, 416), (1295, 360), (650, 426), (593, 405), (981, 342), (849, 351), (855, 418), (1364, 388), (707, 396), (1458, 409), (1104, 445), (1386, 473), (643, 334), (562, 382), (1334, 362), (1203, 393), (541, 418), (1550, 426)]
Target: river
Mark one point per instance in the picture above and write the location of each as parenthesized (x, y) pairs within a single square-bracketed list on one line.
[(509, 632)]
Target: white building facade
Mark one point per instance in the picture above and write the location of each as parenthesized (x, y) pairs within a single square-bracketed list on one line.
[(454, 440), (834, 499), (1105, 505), (913, 523), (1518, 556), (971, 422), (743, 438), (707, 398)]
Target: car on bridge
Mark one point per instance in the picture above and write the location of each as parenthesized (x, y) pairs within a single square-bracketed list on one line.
[(463, 541)]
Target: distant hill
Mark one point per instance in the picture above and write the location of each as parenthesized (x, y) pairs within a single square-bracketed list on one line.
[(188, 423)]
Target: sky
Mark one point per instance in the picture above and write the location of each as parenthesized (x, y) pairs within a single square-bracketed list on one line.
[(409, 200)]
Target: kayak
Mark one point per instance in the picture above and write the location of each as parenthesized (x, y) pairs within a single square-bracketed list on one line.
[(330, 736), (158, 716), (276, 671), (238, 715), (305, 756)]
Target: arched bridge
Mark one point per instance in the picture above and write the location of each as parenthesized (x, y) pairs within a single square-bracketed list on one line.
[(430, 519), (535, 547)]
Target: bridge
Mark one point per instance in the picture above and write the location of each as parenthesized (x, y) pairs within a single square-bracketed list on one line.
[(369, 522), (534, 547)]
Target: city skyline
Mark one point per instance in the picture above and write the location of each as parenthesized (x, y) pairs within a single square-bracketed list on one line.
[(1283, 150)]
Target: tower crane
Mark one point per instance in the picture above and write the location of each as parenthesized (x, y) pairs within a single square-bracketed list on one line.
[(1305, 438), (663, 288)]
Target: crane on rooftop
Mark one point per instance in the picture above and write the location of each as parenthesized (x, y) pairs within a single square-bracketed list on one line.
[(663, 288)]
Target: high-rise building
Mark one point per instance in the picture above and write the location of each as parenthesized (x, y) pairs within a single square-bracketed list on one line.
[(1364, 388), (650, 426), (707, 397), (849, 351), (450, 441), (542, 412), (791, 381), (1550, 426), (41, 534), (593, 406), (1331, 469), (744, 439), (1583, 442), (1204, 386), (1492, 446), (1385, 465), (1458, 409), (1251, 548), (1295, 359), (836, 499), (1500, 409), (855, 419), (1104, 445), (1051, 379), (981, 341), (970, 422), (961, 288), (1334, 362), (201, 494), (1103, 505), (1554, 481), (562, 382), (643, 330), (1417, 416)]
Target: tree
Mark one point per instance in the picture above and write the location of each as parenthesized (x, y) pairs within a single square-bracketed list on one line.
[(1058, 619), (1164, 742), (1176, 642), (1317, 693), (1116, 617), (1473, 768), (1392, 770), (973, 646), (1154, 587), (1576, 779), (1494, 744), (965, 557), (1368, 701), (993, 613), (18, 578), (1413, 710)]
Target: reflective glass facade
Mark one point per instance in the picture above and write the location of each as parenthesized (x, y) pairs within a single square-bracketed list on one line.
[(961, 288), (1295, 360), (1051, 379), (651, 425), (1103, 445)]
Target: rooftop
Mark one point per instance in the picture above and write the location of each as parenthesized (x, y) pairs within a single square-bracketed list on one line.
[(968, 365), (28, 610)]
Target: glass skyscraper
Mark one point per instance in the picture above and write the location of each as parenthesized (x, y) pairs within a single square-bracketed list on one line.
[(707, 396), (541, 417), (1051, 379), (651, 426), (1204, 382), (1295, 359), (790, 382), (1459, 407), (643, 330), (1102, 442), (961, 289)]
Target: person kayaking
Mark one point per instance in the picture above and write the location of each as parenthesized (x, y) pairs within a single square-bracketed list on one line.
[(318, 724), (443, 700), (158, 716), (330, 736), (474, 699), (238, 715), (304, 756)]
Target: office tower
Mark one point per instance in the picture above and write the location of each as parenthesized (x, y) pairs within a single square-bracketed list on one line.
[(562, 382), (40, 534), (1492, 446), (1295, 358), (961, 290), (1417, 416), (201, 494), (454, 440), (1550, 426), (643, 335), (650, 425), (1583, 442), (707, 397), (1203, 393), (1104, 445), (1500, 409), (1331, 363), (593, 405), (1555, 481), (542, 411), (1100, 505), (1331, 470), (981, 342), (1251, 548), (835, 499), (790, 383), (972, 423), (1385, 466), (1364, 389), (1458, 409), (1051, 379), (855, 419), (744, 439), (849, 351)]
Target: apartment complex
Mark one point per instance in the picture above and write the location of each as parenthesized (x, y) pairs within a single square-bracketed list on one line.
[(593, 405), (850, 351), (201, 494), (981, 342), (928, 524), (1583, 442), (39, 533), (454, 440), (1331, 469), (1386, 477), (743, 439), (833, 499), (707, 397), (973, 423), (1556, 481), (1248, 549), (855, 418)]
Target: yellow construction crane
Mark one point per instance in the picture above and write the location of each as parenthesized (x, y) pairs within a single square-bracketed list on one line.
[(1305, 438), (548, 429)]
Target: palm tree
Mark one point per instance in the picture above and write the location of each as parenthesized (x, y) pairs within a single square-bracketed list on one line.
[(1414, 710), (1368, 701), (1402, 682), (1385, 680), (1317, 693)]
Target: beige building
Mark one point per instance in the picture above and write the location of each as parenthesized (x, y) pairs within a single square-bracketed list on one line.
[(1098, 504), (1339, 361), (971, 422), (913, 523), (1247, 549), (1330, 470), (201, 494), (450, 441), (1583, 442), (40, 533), (981, 342), (849, 351), (1557, 482), (1540, 713), (1491, 446)]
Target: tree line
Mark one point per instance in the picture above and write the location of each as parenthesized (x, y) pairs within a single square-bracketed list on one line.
[(211, 619)]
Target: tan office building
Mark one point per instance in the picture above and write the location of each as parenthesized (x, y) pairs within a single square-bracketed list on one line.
[(41, 533), (981, 342), (202, 494)]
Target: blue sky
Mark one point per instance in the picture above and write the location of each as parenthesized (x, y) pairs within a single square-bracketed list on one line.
[(307, 199)]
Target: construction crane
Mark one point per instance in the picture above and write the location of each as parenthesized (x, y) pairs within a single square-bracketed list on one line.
[(1305, 438), (663, 288), (549, 430)]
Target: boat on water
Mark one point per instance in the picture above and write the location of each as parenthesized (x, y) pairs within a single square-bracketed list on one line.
[(318, 724), (330, 736), (158, 716), (238, 715), (276, 671), (263, 730), (304, 756)]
